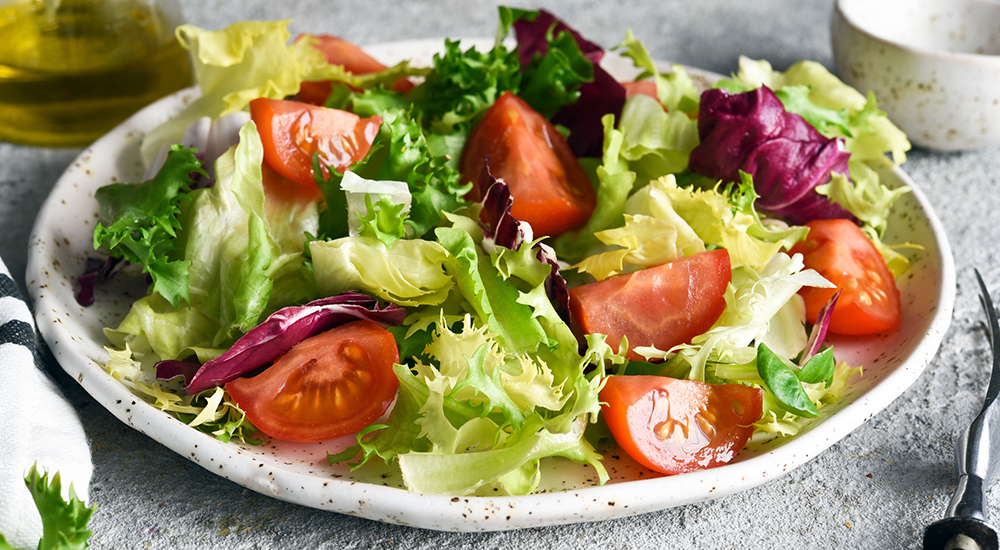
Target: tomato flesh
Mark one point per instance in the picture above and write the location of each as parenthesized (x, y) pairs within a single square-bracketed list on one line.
[(354, 60), (660, 306), (327, 386), (840, 251), (291, 131), (675, 426), (550, 189)]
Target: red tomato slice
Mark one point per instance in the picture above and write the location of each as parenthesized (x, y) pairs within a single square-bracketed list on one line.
[(640, 87), (676, 426), (291, 131), (841, 252), (354, 60), (327, 386), (549, 187), (660, 306)]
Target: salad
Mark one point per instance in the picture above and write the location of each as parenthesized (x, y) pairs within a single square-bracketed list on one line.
[(502, 258)]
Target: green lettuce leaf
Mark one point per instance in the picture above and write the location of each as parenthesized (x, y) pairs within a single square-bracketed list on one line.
[(615, 183), (675, 91), (64, 523), (401, 153), (139, 223), (463, 84), (409, 273)]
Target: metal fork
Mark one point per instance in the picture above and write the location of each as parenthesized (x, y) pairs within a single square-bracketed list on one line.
[(977, 454)]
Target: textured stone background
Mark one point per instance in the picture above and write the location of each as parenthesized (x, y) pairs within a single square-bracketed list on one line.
[(876, 488)]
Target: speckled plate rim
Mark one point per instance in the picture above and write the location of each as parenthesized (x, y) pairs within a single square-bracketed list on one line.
[(56, 253)]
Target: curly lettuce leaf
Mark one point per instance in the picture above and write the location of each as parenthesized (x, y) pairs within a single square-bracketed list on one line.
[(463, 84), (235, 65), (502, 387), (555, 59), (400, 153), (863, 194), (64, 522), (139, 223)]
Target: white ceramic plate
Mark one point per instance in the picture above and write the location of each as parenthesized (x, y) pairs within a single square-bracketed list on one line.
[(62, 239)]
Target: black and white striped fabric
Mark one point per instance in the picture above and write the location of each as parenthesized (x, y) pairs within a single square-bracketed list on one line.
[(37, 424)]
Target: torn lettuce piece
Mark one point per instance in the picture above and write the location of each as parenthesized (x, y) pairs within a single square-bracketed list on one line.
[(656, 142), (675, 90), (235, 250), (410, 272)]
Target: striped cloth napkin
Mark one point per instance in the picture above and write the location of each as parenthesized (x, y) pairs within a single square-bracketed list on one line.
[(37, 424)]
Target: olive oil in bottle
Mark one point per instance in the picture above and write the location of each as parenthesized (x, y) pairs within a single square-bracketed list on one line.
[(71, 70)]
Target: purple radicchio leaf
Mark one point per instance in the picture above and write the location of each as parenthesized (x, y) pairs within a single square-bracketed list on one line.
[(604, 95), (279, 332), (818, 333), (93, 270), (501, 228), (787, 157)]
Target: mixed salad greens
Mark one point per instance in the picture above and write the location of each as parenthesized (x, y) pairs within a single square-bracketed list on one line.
[(261, 233)]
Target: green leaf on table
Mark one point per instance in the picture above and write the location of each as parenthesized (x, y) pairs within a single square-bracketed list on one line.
[(64, 524)]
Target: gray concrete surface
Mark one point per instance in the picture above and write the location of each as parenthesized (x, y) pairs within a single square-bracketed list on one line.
[(876, 488)]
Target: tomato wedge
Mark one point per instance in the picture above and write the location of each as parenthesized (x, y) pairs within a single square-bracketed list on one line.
[(676, 426), (291, 131), (354, 60), (327, 386), (549, 187), (660, 306), (841, 252)]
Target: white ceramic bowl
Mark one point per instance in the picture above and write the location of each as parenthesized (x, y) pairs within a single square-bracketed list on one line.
[(934, 66)]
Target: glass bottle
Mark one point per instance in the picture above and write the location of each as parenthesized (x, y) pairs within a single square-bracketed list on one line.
[(70, 70)]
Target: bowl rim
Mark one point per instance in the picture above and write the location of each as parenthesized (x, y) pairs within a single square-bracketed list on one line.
[(943, 55)]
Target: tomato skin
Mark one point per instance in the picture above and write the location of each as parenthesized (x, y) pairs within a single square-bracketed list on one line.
[(841, 252), (354, 60), (327, 386), (550, 189), (675, 426), (291, 131), (640, 87), (660, 306)]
